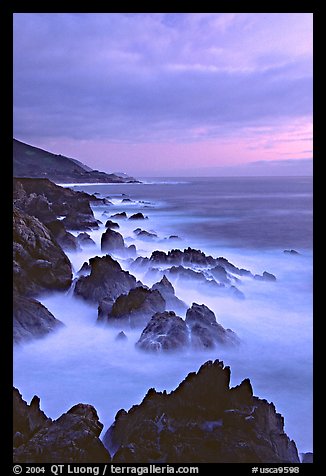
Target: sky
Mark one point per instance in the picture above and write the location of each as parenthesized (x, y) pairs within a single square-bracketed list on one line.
[(171, 94)]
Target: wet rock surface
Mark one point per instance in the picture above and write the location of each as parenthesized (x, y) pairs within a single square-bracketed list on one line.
[(164, 332), (135, 308), (107, 280)]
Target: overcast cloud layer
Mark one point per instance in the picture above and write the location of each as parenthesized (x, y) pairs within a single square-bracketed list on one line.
[(158, 92)]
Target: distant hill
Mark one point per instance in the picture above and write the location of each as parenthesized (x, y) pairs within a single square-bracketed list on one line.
[(29, 161)]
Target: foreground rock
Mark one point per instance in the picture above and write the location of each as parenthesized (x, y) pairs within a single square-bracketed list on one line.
[(202, 421), (164, 332), (72, 438), (106, 280), (39, 264), (205, 331), (31, 319), (135, 308)]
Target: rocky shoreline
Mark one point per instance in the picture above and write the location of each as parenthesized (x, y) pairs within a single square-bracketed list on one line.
[(222, 424)]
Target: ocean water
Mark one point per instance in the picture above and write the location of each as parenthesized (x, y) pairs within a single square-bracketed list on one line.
[(249, 221)]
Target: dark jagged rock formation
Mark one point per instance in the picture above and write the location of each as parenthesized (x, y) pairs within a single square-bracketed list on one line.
[(31, 319), (135, 308), (72, 438), (291, 252), (112, 241), (27, 419), (190, 256), (107, 280), (205, 331), (111, 224), (31, 161), (39, 262), (164, 332), (213, 275), (202, 421), (167, 291)]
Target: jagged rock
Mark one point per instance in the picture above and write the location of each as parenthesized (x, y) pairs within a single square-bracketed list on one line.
[(31, 319), (220, 274), (121, 336), (135, 308), (292, 252), (205, 331), (137, 216), (107, 280), (39, 262), (85, 240), (112, 240), (127, 200), (111, 224), (165, 332), (72, 438), (119, 215), (202, 421), (265, 277), (27, 419), (167, 291)]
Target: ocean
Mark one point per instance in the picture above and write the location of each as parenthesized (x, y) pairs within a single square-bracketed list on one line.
[(250, 221)]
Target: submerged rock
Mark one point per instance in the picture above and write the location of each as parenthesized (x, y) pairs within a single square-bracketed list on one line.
[(85, 240), (135, 308), (107, 280), (202, 421), (205, 331), (137, 216), (165, 332), (265, 277), (121, 336), (119, 215), (72, 438)]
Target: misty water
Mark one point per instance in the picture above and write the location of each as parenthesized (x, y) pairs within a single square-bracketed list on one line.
[(249, 221)]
